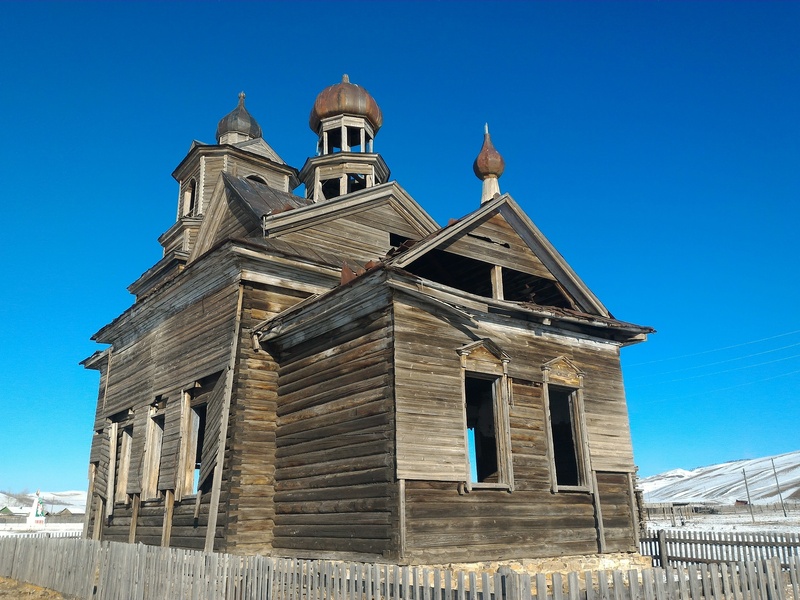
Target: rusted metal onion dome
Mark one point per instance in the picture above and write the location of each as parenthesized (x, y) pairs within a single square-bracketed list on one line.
[(345, 98), (240, 121), (489, 162)]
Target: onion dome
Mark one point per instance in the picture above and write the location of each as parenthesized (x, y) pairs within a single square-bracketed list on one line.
[(489, 163), (239, 121), (345, 98)]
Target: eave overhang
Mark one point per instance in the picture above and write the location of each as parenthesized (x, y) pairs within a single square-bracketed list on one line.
[(468, 306)]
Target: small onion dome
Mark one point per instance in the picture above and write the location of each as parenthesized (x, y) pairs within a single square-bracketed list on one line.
[(489, 163), (345, 98), (239, 121)]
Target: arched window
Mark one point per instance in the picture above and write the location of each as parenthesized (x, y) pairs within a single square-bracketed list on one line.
[(256, 178)]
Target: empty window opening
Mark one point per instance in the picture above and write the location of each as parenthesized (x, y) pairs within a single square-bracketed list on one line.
[(460, 272), (523, 287), (256, 178), (356, 182), (354, 139), (190, 199), (197, 434), (331, 188), (481, 432), (564, 432), (334, 140)]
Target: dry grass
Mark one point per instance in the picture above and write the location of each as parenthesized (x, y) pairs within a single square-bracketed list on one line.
[(11, 589)]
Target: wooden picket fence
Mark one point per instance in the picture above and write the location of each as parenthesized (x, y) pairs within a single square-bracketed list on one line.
[(113, 571), (681, 548), (41, 534)]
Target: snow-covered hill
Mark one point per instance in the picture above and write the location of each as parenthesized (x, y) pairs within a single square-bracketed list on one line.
[(724, 483), (54, 502)]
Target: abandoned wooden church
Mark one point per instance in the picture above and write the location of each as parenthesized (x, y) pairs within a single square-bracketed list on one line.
[(335, 375)]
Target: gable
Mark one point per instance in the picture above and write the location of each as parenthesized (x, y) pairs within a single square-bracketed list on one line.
[(363, 226), (236, 210), (497, 252)]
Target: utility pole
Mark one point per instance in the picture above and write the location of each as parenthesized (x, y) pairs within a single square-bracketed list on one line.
[(749, 503), (778, 485)]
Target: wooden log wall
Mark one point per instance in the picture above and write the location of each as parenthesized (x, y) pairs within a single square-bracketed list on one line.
[(250, 462), (531, 521), (335, 489), (161, 346), (619, 526)]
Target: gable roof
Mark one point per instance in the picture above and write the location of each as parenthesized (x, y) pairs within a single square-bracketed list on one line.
[(528, 233), (463, 304), (318, 212), (249, 200)]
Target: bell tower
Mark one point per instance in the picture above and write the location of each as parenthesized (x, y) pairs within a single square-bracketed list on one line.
[(346, 119)]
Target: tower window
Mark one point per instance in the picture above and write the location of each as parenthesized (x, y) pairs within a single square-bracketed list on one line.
[(190, 199), (355, 182), (257, 179)]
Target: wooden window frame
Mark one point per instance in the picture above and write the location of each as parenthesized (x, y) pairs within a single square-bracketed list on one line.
[(122, 467), (562, 374), (154, 439), (485, 360), (190, 435)]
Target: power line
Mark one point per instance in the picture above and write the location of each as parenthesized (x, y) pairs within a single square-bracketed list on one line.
[(780, 335), (722, 389), (727, 360), (761, 364)]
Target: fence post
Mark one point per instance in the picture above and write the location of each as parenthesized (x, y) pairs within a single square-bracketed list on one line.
[(662, 549)]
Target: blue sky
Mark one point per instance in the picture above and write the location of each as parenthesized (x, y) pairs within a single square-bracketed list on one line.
[(657, 145)]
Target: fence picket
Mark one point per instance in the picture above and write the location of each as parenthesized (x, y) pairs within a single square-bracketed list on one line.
[(111, 571)]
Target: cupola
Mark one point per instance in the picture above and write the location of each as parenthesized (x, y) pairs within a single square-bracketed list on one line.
[(488, 166), (345, 118), (238, 125)]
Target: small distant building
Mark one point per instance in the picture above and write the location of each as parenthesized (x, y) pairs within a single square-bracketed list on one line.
[(17, 511), (333, 374)]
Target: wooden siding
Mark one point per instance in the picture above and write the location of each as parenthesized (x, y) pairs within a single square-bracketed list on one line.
[(615, 504), (490, 524), (429, 395), (530, 521), (361, 243), (361, 236), (250, 461), (161, 346), (335, 492), (429, 391), (494, 241), (388, 218), (212, 167), (241, 167)]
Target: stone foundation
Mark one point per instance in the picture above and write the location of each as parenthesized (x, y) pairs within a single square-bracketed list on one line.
[(622, 561)]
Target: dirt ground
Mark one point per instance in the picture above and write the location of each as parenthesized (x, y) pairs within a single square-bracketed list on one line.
[(13, 590)]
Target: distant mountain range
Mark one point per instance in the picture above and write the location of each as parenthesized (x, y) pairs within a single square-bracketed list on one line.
[(716, 484), (725, 484)]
